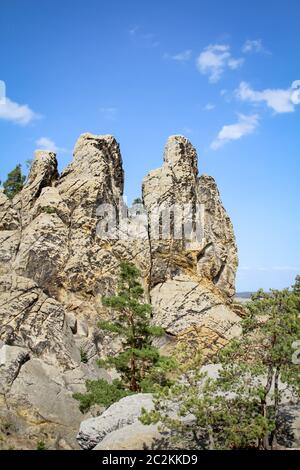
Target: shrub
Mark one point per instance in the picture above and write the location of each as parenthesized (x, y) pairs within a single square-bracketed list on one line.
[(83, 356), (49, 210), (100, 392), (41, 445)]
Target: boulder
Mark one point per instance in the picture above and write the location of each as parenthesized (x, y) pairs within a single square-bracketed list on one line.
[(35, 403), (119, 415), (40, 394), (12, 359), (136, 436)]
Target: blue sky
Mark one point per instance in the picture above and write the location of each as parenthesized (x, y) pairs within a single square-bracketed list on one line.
[(219, 73)]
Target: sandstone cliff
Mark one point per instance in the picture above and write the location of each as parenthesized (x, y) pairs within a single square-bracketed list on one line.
[(55, 266)]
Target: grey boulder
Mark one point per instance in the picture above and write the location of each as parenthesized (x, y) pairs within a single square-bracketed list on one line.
[(118, 416)]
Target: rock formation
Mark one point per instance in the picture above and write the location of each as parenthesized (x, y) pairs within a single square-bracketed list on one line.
[(191, 282), (55, 266)]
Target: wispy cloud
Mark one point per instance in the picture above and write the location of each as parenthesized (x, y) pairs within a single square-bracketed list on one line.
[(254, 46), (209, 107), (246, 125), (109, 113), (271, 269), (2, 92), (149, 39), (215, 59), (17, 113), (132, 31), (183, 56), (280, 100), (49, 144)]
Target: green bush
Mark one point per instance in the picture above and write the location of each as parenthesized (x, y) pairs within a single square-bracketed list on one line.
[(49, 210), (41, 445), (100, 392), (83, 356)]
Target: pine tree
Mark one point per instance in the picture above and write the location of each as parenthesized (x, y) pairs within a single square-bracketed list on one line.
[(296, 286), (14, 183), (241, 407), (269, 332), (139, 363), (137, 200)]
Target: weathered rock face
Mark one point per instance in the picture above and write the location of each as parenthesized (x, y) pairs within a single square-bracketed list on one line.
[(43, 173), (36, 403), (9, 233), (213, 255), (192, 275), (94, 177), (29, 318), (55, 265)]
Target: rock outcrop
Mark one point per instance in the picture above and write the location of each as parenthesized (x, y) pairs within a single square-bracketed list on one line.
[(193, 266), (55, 266), (29, 318)]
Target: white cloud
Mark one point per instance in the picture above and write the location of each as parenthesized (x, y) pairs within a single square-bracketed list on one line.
[(2, 92), (17, 113), (109, 113), (296, 92), (280, 100), (214, 60), (245, 125), (270, 269), (286, 268), (48, 144), (209, 107), (183, 56), (234, 64), (254, 45)]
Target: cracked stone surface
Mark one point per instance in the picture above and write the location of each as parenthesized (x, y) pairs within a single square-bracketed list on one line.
[(55, 267), (191, 281)]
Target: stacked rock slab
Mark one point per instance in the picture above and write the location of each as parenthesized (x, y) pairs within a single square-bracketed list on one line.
[(55, 266)]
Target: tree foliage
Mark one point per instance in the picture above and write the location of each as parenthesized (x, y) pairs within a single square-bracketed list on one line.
[(100, 392), (238, 408), (137, 200), (139, 364), (14, 183)]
